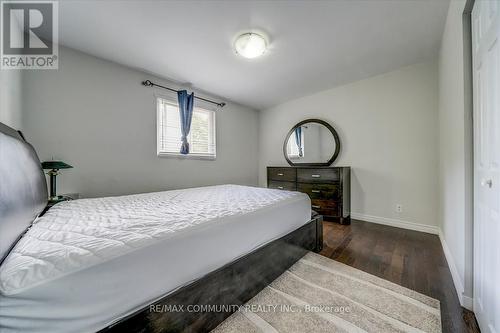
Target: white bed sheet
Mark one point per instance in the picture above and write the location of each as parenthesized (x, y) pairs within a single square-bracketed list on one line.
[(129, 251)]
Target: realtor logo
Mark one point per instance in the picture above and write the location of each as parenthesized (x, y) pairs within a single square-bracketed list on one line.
[(29, 33)]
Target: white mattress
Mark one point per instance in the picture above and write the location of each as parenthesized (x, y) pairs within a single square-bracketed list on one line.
[(89, 262)]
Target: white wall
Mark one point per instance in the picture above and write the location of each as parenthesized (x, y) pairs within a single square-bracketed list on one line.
[(454, 156), (388, 130), (96, 116), (11, 98)]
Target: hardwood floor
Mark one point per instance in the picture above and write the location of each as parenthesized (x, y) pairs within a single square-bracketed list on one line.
[(409, 258)]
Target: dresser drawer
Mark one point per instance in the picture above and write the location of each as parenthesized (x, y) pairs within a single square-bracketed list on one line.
[(326, 207), (325, 204), (320, 191), (328, 212), (310, 175), (289, 186), (282, 174)]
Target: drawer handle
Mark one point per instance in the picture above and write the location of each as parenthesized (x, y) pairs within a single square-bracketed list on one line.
[(280, 174), (315, 191), (316, 176), (280, 187), (316, 207)]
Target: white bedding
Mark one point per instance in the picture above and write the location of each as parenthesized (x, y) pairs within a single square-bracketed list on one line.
[(89, 262)]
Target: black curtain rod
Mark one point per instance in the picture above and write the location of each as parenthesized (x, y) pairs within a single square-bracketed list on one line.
[(148, 83)]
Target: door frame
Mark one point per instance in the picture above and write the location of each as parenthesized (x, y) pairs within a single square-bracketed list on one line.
[(468, 294)]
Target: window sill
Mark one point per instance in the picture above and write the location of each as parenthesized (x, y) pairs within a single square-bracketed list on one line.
[(189, 156)]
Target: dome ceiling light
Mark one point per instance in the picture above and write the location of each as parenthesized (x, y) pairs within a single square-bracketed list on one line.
[(250, 45)]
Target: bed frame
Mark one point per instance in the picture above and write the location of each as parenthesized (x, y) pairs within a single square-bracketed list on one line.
[(224, 289)]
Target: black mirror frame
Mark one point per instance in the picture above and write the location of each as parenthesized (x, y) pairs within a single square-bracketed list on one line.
[(327, 125)]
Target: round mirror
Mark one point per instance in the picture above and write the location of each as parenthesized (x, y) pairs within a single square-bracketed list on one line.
[(311, 142)]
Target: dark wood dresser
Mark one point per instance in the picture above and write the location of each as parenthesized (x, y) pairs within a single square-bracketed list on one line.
[(328, 187)]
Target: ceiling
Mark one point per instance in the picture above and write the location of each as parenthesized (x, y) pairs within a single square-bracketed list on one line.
[(314, 45)]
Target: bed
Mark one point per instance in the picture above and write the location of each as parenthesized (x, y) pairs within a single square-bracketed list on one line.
[(120, 263)]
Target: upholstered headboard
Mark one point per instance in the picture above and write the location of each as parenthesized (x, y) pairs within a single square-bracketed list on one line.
[(23, 189)]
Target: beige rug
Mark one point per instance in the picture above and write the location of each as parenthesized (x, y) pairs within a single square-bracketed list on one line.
[(318, 294)]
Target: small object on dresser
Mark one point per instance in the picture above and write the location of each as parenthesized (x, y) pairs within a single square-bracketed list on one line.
[(54, 167)]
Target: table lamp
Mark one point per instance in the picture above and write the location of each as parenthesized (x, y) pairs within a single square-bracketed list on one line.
[(54, 167)]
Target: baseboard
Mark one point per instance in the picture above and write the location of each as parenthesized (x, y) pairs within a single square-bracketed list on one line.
[(396, 223), (465, 301), (468, 302)]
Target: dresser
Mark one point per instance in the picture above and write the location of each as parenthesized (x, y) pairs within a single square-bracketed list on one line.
[(328, 187)]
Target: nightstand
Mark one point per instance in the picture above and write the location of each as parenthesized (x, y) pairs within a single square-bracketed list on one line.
[(64, 197)]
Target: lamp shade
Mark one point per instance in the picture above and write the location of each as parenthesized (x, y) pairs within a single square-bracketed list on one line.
[(55, 165)]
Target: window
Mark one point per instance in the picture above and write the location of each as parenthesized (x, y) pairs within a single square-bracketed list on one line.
[(201, 137)]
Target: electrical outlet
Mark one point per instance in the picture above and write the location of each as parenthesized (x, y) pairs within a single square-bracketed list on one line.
[(399, 208)]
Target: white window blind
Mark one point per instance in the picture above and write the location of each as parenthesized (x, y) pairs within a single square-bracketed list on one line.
[(201, 137)]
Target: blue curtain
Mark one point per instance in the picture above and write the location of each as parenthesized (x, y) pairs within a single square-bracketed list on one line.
[(186, 112), (298, 139)]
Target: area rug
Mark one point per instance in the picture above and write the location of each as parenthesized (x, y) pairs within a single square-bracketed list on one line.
[(318, 294)]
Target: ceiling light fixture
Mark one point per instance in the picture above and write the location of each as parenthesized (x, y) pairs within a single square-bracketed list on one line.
[(250, 45)]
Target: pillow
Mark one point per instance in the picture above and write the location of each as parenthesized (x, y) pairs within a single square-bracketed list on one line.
[(23, 189)]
